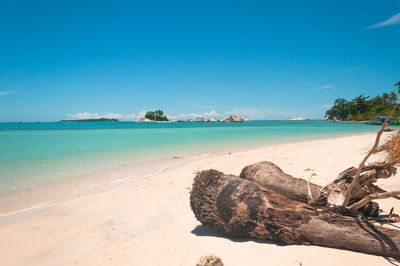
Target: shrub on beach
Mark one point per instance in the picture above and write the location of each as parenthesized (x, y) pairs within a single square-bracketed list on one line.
[(392, 146)]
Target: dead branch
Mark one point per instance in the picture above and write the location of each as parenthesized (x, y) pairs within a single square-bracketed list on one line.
[(309, 193), (390, 214), (352, 171), (370, 197), (378, 189), (349, 190)]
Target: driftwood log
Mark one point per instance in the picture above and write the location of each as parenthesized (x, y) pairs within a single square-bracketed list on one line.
[(259, 207)]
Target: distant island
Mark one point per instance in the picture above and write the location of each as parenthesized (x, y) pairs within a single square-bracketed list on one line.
[(153, 116), (231, 118), (158, 116), (298, 119), (90, 120), (362, 108)]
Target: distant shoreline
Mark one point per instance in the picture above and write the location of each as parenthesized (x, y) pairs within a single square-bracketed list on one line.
[(89, 120)]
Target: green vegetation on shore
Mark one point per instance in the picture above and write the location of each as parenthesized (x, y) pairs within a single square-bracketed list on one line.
[(363, 107), (157, 115)]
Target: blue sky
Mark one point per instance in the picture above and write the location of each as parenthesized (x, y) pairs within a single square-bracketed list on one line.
[(260, 59)]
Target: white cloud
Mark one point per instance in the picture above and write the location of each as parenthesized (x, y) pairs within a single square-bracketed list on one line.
[(211, 113), (324, 87), (395, 19), (141, 114), (130, 117), (184, 116), (87, 115), (262, 113), (250, 113), (113, 115), (315, 112), (84, 115), (4, 93)]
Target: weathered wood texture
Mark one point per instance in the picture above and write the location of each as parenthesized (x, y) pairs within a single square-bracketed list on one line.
[(269, 175), (333, 194), (242, 208)]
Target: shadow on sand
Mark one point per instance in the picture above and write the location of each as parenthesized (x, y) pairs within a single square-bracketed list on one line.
[(202, 230)]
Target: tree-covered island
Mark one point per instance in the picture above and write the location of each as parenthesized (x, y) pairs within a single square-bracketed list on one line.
[(363, 108), (157, 115)]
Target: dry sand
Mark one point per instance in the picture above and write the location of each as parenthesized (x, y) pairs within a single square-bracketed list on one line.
[(150, 222)]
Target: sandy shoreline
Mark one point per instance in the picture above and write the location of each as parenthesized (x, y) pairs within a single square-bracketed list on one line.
[(100, 182), (149, 222)]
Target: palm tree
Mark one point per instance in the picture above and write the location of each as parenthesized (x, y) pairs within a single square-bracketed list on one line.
[(386, 99), (397, 86), (377, 100), (360, 104), (393, 97)]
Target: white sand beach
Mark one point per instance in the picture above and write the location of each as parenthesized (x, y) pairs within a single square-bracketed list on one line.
[(149, 222)]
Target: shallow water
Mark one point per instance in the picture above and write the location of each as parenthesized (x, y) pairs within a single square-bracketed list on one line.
[(35, 154)]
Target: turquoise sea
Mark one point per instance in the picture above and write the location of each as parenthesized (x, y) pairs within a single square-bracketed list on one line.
[(38, 155)]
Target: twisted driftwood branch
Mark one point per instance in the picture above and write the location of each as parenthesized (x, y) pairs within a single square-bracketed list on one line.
[(370, 197), (375, 166), (347, 195)]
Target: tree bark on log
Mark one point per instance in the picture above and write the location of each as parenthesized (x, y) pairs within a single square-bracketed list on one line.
[(242, 208), (269, 175)]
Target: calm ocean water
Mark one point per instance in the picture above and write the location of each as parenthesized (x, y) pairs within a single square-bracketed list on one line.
[(34, 155)]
